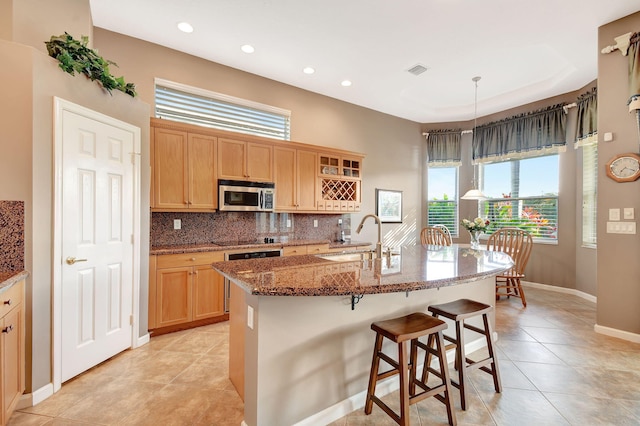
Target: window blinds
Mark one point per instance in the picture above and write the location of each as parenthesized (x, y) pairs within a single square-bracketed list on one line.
[(198, 106)]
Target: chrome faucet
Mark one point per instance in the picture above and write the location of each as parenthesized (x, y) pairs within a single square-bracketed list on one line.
[(379, 243)]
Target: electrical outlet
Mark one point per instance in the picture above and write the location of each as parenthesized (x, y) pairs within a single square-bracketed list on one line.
[(339, 221), (315, 223), (288, 223), (250, 317), (177, 224)]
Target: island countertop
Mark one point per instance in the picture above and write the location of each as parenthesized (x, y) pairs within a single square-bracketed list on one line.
[(412, 268)]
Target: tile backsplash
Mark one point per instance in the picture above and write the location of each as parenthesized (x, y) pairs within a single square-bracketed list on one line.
[(11, 235), (203, 228)]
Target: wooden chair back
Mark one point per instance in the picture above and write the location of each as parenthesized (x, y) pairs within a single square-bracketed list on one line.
[(516, 243), (434, 236), (446, 232)]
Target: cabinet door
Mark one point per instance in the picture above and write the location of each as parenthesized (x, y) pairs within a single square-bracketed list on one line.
[(231, 159), (307, 192), (12, 359), (173, 296), (170, 173), (260, 162), (202, 172), (284, 165), (208, 293)]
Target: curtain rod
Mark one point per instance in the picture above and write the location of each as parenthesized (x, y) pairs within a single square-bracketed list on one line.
[(462, 132)]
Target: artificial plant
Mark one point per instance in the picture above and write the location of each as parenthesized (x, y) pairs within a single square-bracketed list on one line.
[(74, 56)]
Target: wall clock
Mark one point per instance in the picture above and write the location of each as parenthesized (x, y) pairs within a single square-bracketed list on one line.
[(624, 167)]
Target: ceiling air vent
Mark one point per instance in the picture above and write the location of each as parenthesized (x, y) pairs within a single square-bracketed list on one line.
[(417, 69)]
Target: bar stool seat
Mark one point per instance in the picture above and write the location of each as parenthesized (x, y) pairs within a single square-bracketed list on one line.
[(400, 331), (459, 311)]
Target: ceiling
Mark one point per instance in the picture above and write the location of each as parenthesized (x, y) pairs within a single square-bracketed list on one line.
[(523, 50)]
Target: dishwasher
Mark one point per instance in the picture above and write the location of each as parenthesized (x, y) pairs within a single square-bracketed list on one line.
[(240, 255)]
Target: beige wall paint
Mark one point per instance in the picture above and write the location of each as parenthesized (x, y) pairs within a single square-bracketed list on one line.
[(26, 174), (35, 21), (618, 255), (393, 146)]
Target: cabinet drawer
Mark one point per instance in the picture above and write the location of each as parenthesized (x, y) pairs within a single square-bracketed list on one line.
[(294, 250), (188, 259), (317, 248), (11, 298)]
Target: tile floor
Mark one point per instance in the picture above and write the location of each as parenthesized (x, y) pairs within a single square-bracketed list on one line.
[(555, 371)]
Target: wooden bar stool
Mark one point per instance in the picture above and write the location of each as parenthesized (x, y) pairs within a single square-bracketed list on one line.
[(401, 330), (459, 311)]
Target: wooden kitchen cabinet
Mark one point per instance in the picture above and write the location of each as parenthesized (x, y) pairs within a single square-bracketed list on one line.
[(184, 174), (295, 179), (239, 160), (12, 349), (185, 289)]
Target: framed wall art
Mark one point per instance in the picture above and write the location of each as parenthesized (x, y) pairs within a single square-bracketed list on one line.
[(389, 205)]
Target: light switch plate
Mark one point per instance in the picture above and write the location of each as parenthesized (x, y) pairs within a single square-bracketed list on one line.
[(315, 223), (614, 214), (629, 213), (288, 223), (177, 224)]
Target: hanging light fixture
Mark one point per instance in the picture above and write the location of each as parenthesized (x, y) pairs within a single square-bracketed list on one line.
[(473, 193)]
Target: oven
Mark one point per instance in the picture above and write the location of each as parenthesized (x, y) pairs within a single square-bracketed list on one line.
[(244, 196), (240, 255)]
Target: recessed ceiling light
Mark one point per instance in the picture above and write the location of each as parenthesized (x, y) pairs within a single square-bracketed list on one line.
[(308, 70), (247, 48), (185, 27), (346, 83)]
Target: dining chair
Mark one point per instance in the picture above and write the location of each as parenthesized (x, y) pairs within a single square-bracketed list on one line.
[(517, 243), (446, 232), (434, 236)]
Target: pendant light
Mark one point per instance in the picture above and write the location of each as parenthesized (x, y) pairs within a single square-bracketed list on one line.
[(473, 193)]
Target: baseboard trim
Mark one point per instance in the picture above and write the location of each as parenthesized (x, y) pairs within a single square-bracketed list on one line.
[(36, 397), (582, 294), (384, 387), (614, 332)]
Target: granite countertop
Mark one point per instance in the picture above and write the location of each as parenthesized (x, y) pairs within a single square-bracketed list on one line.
[(9, 278), (413, 268), (195, 248)]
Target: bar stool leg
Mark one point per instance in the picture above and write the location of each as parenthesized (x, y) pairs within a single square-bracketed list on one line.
[(444, 370), (373, 377), (404, 383), (461, 363), (427, 359), (494, 364)]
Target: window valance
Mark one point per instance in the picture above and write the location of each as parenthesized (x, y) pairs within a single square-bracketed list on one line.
[(443, 148), (532, 134), (587, 124)]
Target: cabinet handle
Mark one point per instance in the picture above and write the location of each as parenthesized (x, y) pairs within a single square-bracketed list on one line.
[(192, 259), (8, 329), (7, 302)]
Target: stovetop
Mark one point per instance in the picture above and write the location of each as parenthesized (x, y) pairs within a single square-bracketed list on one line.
[(266, 240)]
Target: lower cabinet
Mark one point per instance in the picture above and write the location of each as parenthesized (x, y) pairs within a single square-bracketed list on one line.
[(12, 349), (185, 288)]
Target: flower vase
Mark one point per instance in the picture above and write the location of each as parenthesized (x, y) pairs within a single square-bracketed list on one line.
[(475, 239)]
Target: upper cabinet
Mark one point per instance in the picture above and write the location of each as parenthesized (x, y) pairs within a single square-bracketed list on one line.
[(188, 160), (183, 170), (340, 179), (241, 160), (295, 179)]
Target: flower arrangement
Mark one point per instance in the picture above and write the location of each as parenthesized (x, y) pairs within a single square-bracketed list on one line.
[(477, 224)]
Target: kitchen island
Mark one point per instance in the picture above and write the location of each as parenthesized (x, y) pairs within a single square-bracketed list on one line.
[(300, 341)]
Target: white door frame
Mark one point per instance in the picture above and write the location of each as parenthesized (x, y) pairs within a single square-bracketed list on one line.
[(60, 105)]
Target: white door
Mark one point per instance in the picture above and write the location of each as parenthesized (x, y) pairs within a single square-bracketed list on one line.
[(97, 242)]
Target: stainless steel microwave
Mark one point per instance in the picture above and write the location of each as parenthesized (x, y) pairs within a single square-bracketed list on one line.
[(243, 196)]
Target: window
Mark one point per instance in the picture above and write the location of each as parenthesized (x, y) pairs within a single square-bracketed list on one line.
[(198, 106), (522, 193), (589, 193), (442, 193)]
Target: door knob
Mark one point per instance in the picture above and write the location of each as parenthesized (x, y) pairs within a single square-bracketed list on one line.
[(71, 260)]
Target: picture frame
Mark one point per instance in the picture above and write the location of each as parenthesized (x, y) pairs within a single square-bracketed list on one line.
[(389, 205)]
